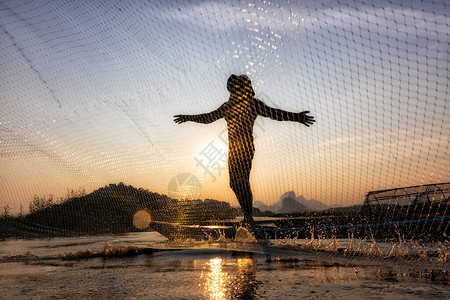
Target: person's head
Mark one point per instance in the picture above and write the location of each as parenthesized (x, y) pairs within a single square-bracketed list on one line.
[(240, 85)]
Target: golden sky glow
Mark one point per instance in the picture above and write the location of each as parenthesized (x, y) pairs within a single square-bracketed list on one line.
[(83, 111)]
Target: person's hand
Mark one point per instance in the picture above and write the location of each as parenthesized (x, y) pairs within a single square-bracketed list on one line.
[(181, 119), (305, 119)]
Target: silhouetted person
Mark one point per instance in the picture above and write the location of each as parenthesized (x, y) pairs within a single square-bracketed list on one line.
[(240, 112)]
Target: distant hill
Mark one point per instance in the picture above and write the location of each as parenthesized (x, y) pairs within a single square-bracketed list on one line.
[(111, 210), (261, 206), (289, 203), (310, 204)]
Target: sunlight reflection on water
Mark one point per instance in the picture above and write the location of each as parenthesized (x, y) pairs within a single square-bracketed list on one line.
[(215, 279), (225, 280)]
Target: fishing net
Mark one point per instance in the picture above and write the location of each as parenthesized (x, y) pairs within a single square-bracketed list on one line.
[(89, 91)]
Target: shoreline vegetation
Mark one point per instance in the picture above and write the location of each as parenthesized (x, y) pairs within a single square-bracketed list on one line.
[(110, 210)]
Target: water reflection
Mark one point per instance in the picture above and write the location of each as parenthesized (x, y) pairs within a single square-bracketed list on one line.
[(245, 283), (215, 279), (225, 280)]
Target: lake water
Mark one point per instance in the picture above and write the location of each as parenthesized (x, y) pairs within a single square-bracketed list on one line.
[(147, 266)]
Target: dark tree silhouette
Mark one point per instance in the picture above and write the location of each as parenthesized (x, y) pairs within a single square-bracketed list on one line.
[(240, 112)]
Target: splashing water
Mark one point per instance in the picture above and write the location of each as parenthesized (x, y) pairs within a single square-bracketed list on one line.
[(244, 236), (401, 250)]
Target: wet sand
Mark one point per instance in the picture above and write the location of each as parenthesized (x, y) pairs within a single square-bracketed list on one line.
[(215, 274)]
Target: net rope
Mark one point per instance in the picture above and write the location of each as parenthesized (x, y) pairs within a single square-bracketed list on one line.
[(89, 92)]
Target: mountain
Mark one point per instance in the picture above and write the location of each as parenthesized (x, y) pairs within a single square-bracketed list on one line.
[(310, 204), (290, 203), (260, 205)]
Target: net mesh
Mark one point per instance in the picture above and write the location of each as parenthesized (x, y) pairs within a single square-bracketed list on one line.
[(89, 92)]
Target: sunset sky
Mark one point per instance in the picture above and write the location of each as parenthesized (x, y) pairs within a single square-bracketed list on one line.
[(89, 90)]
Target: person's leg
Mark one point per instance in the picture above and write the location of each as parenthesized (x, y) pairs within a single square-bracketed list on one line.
[(247, 203), (240, 184), (244, 195)]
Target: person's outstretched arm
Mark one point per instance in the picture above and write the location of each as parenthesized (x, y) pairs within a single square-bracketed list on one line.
[(202, 118), (282, 115)]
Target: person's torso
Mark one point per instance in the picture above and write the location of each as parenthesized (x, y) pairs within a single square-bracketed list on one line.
[(240, 115)]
